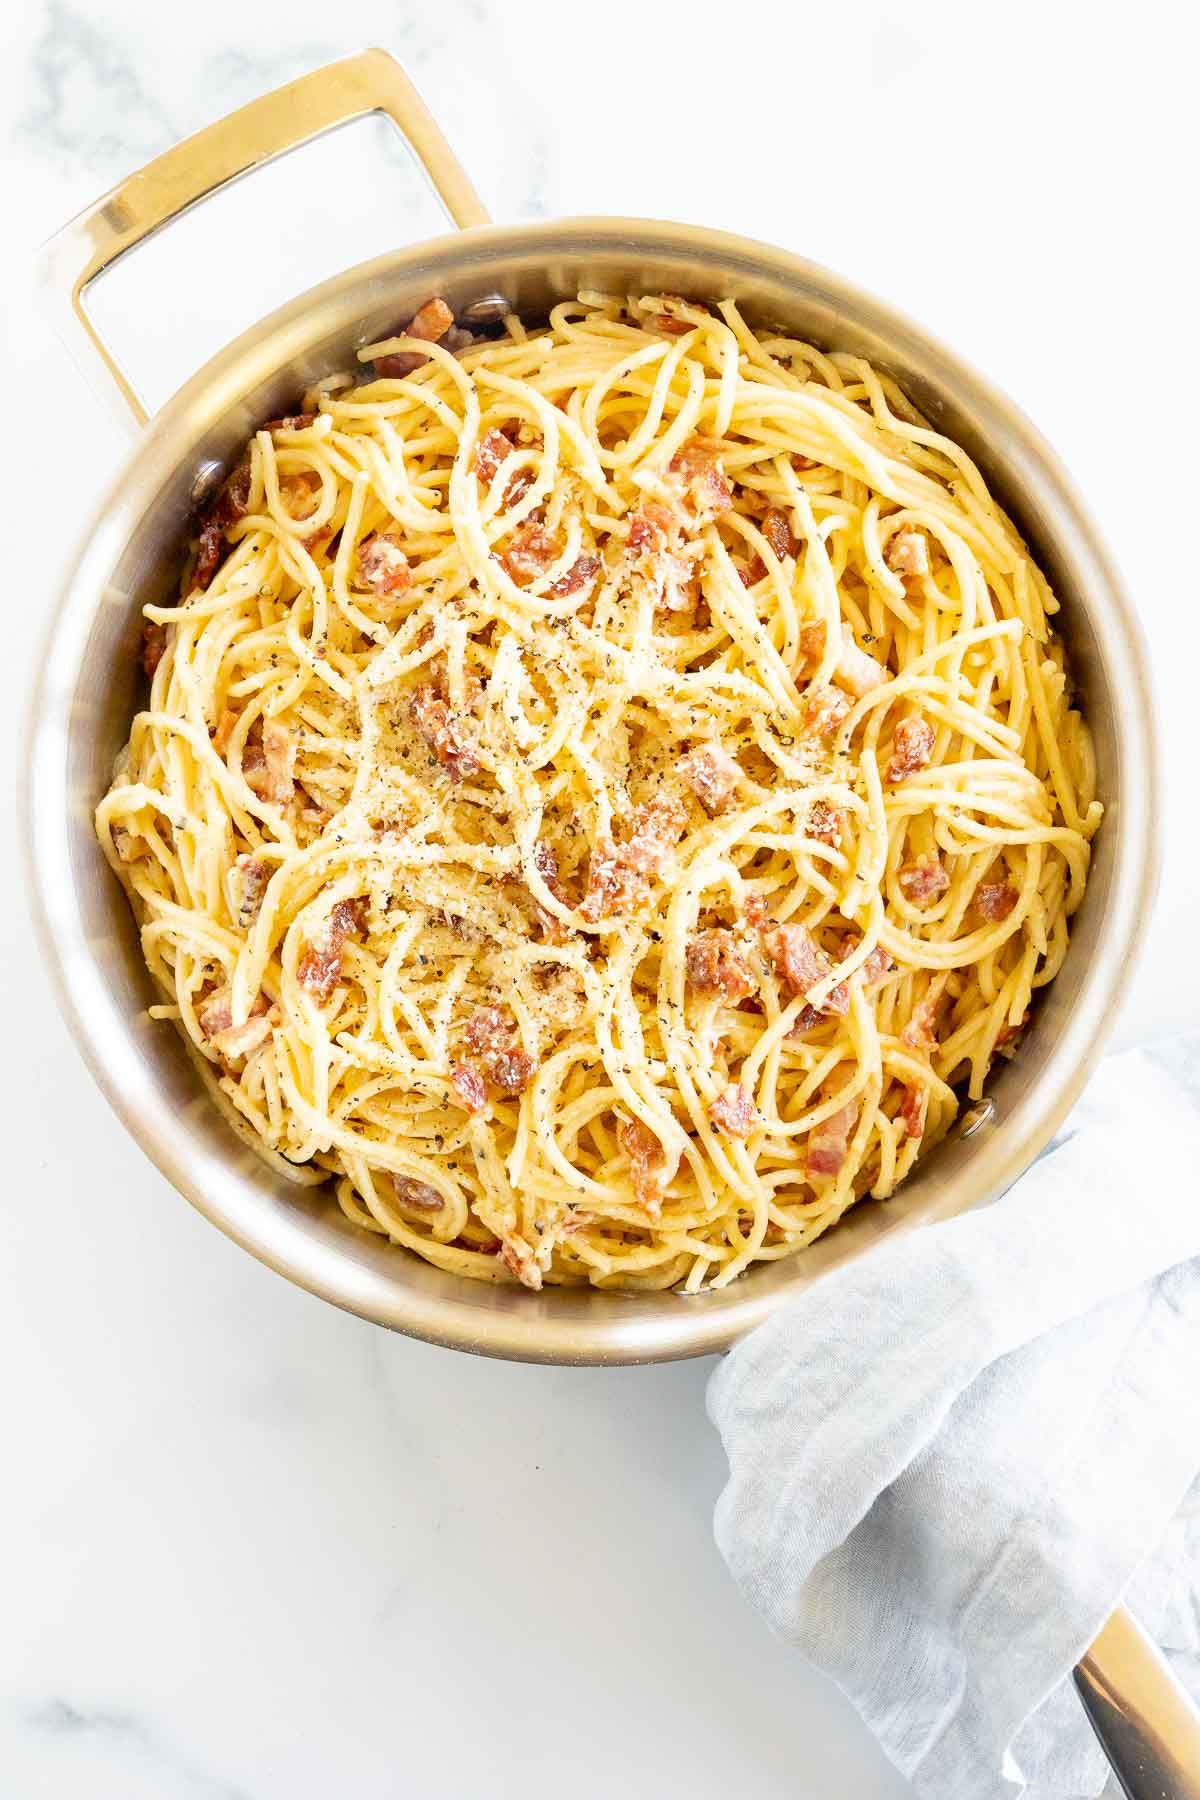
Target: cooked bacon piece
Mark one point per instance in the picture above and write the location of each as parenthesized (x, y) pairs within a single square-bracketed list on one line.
[(994, 900), (581, 574), (269, 766), (519, 1260), (214, 1016), (320, 968), (828, 1142), (777, 529), (854, 670), (418, 1195), (430, 323), (249, 879), (752, 572), (1007, 1037), (210, 548), (491, 1032), (651, 530), (656, 828), (824, 822), (298, 494), (696, 469), (468, 1085), (493, 448), (154, 644), (672, 326), (823, 711), (912, 747), (546, 863), (923, 880), (913, 1108), (734, 1111), (921, 1031), (800, 463), (224, 729), (715, 965), (441, 730), (382, 564), (618, 873), (712, 775), (290, 422), (233, 501), (646, 1156), (800, 964), (877, 966), (907, 553), (758, 914), (531, 551)]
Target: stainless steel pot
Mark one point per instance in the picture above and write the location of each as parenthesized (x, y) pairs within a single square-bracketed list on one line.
[(87, 692)]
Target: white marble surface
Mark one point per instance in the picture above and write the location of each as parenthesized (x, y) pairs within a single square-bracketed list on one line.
[(251, 1549)]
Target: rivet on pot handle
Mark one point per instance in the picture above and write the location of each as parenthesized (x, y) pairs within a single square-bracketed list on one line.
[(292, 115)]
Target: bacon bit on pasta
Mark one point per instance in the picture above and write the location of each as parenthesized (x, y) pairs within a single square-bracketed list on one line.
[(668, 320), (854, 670), (618, 873), (907, 553), (651, 530), (291, 422), (269, 766), (921, 1032), (468, 1085), (320, 968), (546, 863), (801, 463), (734, 1111), (224, 729), (913, 1109), (923, 880), (418, 1195), (519, 1260), (493, 448), (531, 551), (440, 729), (1008, 1035), (758, 913), (210, 548), (877, 967), (912, 747), (154, 644), (250, 877), (382, 564), (823, 711), (749, 574), (429, 323), (214, 1016), (646, 1157), (581, 574), (828, 1143), (653, 543), (777, 529), (712, 775), (994, 900), (801, 964), (296, 490), (491, 1033), (824, 822), (696, 469), (715, 965)]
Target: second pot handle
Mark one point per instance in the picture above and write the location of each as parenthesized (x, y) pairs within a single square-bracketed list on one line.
[(371, 82)]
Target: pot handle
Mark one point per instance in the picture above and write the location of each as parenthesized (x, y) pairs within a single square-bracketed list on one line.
[(1146, 1722), (353, 88)]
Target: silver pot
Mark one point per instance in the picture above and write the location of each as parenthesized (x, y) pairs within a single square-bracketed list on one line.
[(87, 693)]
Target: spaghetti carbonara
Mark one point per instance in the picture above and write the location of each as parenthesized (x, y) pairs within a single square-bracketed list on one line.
[(606, 792)]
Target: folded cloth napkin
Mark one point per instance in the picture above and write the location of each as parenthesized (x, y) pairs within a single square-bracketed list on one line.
[(950, 1459)]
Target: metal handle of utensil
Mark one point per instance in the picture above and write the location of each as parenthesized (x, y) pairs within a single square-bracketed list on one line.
[(292, 115), (1148, 1726)]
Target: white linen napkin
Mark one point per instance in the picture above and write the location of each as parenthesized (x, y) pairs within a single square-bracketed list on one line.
[(951, 1458)]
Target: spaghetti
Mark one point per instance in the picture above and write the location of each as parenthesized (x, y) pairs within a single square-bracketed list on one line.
[(605, 792)]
